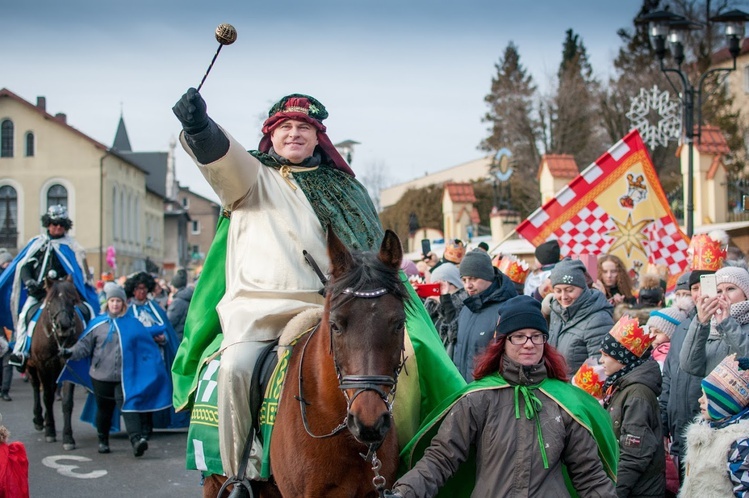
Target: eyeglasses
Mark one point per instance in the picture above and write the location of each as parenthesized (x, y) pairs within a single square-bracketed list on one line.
[(519, 340), (56, 223)]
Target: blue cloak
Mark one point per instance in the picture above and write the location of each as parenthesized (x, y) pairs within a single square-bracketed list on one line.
[(146, 386), (9, 278)]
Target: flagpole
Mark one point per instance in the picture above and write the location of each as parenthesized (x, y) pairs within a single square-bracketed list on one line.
[(512, 232)]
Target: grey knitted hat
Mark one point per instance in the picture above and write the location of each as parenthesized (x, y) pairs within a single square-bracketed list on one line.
[(569, 272), (666, 320), (477, 264), (113, 290), (449, 273)]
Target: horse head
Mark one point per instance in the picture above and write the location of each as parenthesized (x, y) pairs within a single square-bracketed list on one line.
[(64, 324), (365, 315)]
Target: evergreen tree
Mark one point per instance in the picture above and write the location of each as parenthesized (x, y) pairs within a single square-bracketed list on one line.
[(513, 126)]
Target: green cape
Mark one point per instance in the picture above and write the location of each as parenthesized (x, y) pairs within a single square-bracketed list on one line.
[(582, 407)]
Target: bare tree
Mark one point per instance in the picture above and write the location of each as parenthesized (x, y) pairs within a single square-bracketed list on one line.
[(375, 178)]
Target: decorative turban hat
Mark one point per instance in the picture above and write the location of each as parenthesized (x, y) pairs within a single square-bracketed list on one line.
[(303, 108)]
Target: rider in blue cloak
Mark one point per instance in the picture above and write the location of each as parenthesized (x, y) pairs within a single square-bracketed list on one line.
[(52, 255)]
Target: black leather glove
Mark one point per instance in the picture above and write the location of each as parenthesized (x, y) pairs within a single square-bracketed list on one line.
[(33, 287), (191, 112), (65, 353)]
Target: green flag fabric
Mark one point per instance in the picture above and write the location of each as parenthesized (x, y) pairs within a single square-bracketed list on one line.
[(582, 407)]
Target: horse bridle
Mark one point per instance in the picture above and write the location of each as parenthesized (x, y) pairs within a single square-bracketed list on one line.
[(361, 383), (54, 326)]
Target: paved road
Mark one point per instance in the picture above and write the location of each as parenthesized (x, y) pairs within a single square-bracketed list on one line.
[(54, 472)]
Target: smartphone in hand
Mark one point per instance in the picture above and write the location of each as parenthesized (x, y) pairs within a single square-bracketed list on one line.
[(426, 247), (427, 290), (708, 285)]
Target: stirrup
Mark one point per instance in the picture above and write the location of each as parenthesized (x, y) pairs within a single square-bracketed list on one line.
[(18, 360)]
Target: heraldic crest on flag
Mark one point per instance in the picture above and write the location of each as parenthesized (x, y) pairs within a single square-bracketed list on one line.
[(615, 206)]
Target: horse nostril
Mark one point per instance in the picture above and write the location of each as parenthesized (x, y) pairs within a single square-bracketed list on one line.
[(369, 434)]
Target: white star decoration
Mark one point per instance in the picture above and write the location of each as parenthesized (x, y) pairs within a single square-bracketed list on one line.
[(655, 102)]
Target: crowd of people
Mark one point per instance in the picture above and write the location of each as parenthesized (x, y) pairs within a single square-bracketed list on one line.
[(669, 365), (124, 354)]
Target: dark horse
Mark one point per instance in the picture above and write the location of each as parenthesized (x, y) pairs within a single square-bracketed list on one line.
[(343, 375), (58, 326)]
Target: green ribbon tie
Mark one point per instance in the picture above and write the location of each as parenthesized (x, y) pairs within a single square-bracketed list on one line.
[(532, 408)]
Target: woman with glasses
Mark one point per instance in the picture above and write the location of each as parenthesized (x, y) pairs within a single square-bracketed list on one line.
[(514, 430)]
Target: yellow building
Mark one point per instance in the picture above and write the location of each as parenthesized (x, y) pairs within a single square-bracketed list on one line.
[(44, 161)]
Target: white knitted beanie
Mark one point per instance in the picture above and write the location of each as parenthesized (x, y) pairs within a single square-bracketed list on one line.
[(734, 275), (666, 319)]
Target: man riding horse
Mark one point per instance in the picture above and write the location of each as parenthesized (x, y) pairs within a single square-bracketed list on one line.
[(281, 198), (52, 255)]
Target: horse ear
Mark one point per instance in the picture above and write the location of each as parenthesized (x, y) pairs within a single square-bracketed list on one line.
[(391, 251), (340, 257)]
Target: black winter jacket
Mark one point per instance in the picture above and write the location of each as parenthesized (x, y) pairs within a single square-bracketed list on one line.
[(637, 423), (477, 321)]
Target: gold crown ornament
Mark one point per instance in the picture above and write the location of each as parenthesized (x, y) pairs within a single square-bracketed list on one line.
[(590, 378), (513, 268), (628, 332), (706, 252)]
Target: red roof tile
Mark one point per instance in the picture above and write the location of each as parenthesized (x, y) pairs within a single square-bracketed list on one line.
[(460, 192), (712, 141), (560, 165), (723, 54)]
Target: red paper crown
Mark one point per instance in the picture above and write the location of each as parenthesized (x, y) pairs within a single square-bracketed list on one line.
[(707, 253), (455, 250), (628, 332), (514, 268), (589, 380)]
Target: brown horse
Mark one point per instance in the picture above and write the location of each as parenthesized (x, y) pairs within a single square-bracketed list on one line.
[(343, 375), (58, 326)]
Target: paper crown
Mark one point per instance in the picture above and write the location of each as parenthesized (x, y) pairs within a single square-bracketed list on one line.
[(628, 332), (513, 268), (455, 250), (590, 378), (706, 252)]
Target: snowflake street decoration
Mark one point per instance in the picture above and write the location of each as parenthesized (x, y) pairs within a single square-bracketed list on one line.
[(648, 103)]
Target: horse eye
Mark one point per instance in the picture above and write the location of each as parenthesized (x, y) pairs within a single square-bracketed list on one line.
[(334, 327)]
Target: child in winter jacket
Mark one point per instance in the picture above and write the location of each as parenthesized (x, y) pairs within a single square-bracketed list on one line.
[(631, 393), (661, 325), (717, 455)]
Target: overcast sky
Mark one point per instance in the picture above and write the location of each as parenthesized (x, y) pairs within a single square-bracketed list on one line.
[(406, 78)]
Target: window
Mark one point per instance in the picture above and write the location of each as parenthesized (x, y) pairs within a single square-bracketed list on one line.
[(30, 144), (195, 227), (57, 194), (185, 203), (6, 138), (8, 217)]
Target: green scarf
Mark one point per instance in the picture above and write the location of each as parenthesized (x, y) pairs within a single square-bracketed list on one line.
[(340, 201)]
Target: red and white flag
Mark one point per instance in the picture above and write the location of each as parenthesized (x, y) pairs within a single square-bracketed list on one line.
[(615, 206)]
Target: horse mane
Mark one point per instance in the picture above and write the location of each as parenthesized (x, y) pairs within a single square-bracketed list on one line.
[(369, 273), (66, 290)]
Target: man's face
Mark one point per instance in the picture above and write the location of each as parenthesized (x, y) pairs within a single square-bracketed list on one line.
[(475, 285), (295, 140), (56, 230), (140, 293)]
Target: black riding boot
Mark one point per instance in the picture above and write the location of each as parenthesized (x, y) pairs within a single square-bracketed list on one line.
[(103, 443), (140, 445)]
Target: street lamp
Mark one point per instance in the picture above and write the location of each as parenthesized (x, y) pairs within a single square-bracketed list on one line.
[(666, 26)]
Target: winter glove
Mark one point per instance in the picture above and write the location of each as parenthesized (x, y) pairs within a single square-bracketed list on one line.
[(392, 494), (191, 112), (33, 287), (65, 353)]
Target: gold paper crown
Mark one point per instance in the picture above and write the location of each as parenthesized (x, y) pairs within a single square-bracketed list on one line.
[(628, 332), (707, 253), (513, 268), (588, 379), (730, 378), (455, 250)]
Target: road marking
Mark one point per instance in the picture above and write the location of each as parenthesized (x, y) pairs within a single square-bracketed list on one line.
[(69, 470)]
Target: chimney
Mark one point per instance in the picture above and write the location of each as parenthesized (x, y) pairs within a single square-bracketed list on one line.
[(61, 117), (41, 103)]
